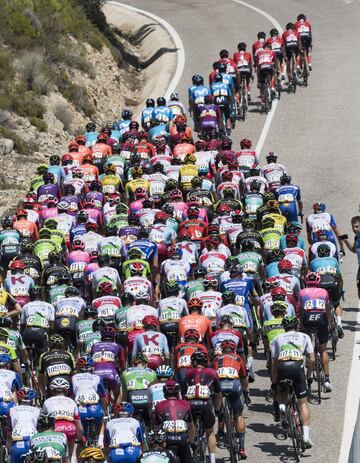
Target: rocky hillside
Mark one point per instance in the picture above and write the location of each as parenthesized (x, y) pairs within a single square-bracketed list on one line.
[(58, 69)]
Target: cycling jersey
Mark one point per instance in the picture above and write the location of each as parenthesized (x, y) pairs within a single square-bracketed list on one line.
[(194, 321), (137, 285), (136, 314), (172, 309), (124, 434), (229, 366), (151, 343), (88, 388), (292, 345), (37, 314), (218, 336), (9, 383), (239, 316), (183, 352), (54, 443), (56, 363), (325, 266)]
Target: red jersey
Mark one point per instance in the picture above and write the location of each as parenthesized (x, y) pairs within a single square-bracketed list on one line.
[(231, 65), (183, 352), (276, 44), (229, 366), (291, 38), (196, 227), (258, 45), (243, 59), (101, 150), (303, 28), (173, 415), (202, 383), (265, 59)]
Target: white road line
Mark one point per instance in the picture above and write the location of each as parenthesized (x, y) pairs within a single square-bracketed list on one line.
[(270, 115), (177, 41), (352, 397)]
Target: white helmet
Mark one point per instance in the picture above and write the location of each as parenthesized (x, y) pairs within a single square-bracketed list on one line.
[(59, 384), (174, 96)]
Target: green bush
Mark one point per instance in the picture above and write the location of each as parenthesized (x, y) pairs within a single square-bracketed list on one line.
[(63, 113), (40, 124), (21, 146)]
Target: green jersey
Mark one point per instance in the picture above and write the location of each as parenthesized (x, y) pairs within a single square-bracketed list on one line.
[(250, 261), (42, 249), (125, 268), (137, 379), (90, 340), (56, 293), (121, 318), (54, 443), (273, 328), (194, 288), (15, 340), (118, 221), (35, 182), (83, 328), (112, 248), (58, 238)]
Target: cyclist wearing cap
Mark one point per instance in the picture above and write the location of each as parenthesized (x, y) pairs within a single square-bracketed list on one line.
[(173, 416), (124, 436), (23, 423), (287, 351)]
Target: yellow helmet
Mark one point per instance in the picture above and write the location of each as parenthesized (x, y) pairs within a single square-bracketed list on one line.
[(41, 168), (190, 158), (92, 452), (110, 168)]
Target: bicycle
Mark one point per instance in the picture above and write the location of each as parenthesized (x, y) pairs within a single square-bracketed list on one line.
[(243, 105), (333, 333), (318, 372), (293, 426), (293, 79), (232, 443), (266, 93), (305, 67), (3, 438), (200, 442)]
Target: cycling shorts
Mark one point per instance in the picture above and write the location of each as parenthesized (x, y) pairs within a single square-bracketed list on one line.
[(18, 448), (289, 211), (179, 441), (67, 427), (245, 72), (5, 407), (205, 410), (332, 285), (306, 42), (290, 49), (223, 102), (296, 372), (35, 336), (139, 399), (110, 378), (127, 454), (208, 125), (169, 328), (317, 322), (265, 73), (232, 388), (90, 411)]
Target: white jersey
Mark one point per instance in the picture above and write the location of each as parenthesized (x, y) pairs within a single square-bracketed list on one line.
[(212, 301), (112, 245), (108, 212), (273, 172), (314, 248), (9, 381), (61, 408), (37, 314), (157, 183), (238, 315), (234, 231), (107, 274), (64, 223), (24, 420), (135, 315), (173, 172), (322, 221), (264, 183), (70, 307), (86, 387), (136, 285), (32, 216), (91, 240), (172, 308), (123, 432), (204, 159), (176, 269), (291, 345), (189, 249), (147, 216)]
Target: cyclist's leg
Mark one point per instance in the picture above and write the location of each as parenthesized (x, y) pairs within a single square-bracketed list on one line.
[(237, 405), (323, 335), (208, 418)]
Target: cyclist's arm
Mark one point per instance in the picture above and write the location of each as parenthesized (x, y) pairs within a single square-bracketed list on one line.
[(337, 234)]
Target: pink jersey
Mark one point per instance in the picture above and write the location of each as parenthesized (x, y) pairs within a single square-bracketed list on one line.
[(314, 300), (135, 206), (47, 214)]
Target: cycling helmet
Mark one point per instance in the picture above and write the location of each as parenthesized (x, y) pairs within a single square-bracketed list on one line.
[(136, 268), (210, 281), (71, 291), (193, 212), (90, 127), (175, 251), (290, 322), (73, 146), (78, 245), (161, 101), (156, 437), (63, 206), (110, 169), (236, 270), (200, 271), (291, 239), (191, 333), (285, 179), (46, 420), (228, 344), (323, 250), (268, 196), (228, 297), (51, 223), (276, 255), (5, 359), (278, 307), (226, 144), (66, 159), (229, 192), (164, 371), (174, 96), (126, 114), (289, 26), (213, 229), (150, 103), (59, 385), (136, 171), (301, 17), (77, 172), (198, 80), (21, 213), (41, 169), (17, 265), (268, 222), (319, 207), (278, 292), (56, 341), (44, 233), (26, 394), (88, 157), (271, 283), (54, 256), (141, 358), (172, 288), (274, 32), (104, 259), (222, 67), (245, 143), (108, 332), (85, 363), (161, 216), (5, 322), (261, 35), (194, 303), (34, 292), (199, 357), (171, 388), (175, 194), (54, 160), (89, 311), (149, 320), (218, 78), (248, 224), (105, 287), (92, 453), (271, 157), (242, 46), (225, 320), (312, 279), (95, 185), (285, 266), (247, 245), (6, 221)]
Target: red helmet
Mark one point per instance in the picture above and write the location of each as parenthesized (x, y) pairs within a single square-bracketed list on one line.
[(209, 280), (227, 176), (88, 157), (245, 144), (278, 291), (193, 200), (102, 137), (66, 158), (214, 239), (80, 139), (105, 287), (312, 279), (223, 208), (140, 193), (161, 215), (73, 146), (285, 265), (272, 282), (195, 302), (21, 213), (78, 244), (150, 320), (17, 265), (91, 225), (228, 344), (191, 333), (291, 239), (179, 119)]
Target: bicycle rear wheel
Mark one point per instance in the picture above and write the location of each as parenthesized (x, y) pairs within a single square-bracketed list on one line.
[(318, 376), (230, 435), (305, 70), (292, 432), (298, 426)]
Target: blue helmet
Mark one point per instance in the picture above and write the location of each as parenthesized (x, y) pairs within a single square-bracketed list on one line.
[(5, 359), (125, 407), (319, 207), (164, 371), (26, 394)]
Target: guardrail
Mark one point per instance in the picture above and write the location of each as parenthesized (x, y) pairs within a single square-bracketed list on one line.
[(354, 453)]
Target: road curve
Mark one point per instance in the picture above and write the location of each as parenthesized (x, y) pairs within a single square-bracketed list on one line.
[(315, 134)]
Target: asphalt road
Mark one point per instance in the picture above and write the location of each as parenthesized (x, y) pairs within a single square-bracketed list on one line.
[(315, 134)]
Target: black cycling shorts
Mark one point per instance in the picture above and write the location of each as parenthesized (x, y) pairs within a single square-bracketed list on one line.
[(265, 73), (332, 285), (290, 49), (317, 322), (35, 336), (224, 105), (306, 42), (296, 372), (180, 442), (232, 387), (205, 409)]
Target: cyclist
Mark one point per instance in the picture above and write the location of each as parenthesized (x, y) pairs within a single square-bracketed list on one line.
[(146, 114), (277, 43), (123, 433), (289, 198), (6, 349), (196, 321), (232, 374), (287, 351), (157, 450), (174, 417), (156, 388), (292, 44), (10, 382), (244, 64), (223, 96), (303, 27), (266, 62), (17, 284), (315, 316)]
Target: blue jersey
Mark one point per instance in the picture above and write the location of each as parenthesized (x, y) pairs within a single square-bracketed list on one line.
[(241, 287), (221, 89), (59, 174), (78, 230), (91, 138), (146, 117), (162, 114), (190, 90), (123, 126), (159, 131), (272, 270), (228, 79), (198, 93), (148, 248), (288, 195), (115, 134), (325, 266)]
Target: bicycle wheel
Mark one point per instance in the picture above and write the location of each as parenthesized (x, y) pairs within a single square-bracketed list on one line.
[(318, 376), (305, 70), (298, 425), (230, 435), (292, 431), (278, 88)]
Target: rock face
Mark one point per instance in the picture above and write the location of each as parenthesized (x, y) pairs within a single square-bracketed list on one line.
[(6, 146)]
